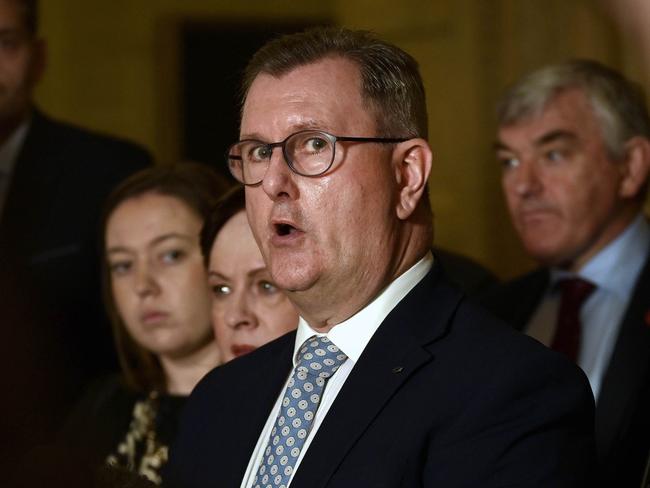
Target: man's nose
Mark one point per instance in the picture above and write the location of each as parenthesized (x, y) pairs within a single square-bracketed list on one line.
[(526, 179), (279, 180)]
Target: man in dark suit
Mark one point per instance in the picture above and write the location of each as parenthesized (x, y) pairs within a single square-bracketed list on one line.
[(53, 180), (398, 380), (574, 142)]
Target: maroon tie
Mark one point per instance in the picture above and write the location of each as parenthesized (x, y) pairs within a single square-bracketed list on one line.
[(567, 333)]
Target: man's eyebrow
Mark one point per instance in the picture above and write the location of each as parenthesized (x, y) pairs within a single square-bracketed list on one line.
[(540, 141), (500, 146), (311, 124), (554, 136)]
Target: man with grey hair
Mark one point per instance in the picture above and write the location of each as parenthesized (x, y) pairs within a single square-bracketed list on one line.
[(574, 145), (397, 379)]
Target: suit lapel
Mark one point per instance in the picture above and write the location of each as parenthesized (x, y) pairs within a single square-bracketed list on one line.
[(627, 372), (393, 354), (33, 187)]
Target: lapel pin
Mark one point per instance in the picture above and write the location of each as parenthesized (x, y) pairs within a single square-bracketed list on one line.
[(398, 369)]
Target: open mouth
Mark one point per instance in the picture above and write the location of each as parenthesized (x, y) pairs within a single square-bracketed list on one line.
[(283, 229)]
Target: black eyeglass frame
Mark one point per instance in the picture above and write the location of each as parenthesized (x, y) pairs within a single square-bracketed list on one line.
[(283, 144)]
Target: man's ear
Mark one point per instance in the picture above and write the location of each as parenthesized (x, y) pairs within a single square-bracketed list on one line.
[(413, 159), (636, 166)]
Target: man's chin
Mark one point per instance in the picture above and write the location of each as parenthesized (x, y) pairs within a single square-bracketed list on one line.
[(293, 279), (546, 255)]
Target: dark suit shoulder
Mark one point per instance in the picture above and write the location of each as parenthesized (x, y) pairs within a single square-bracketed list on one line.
[(66, 132), (67, 143), (515, 300), (467, 274), (522, 412), (493, 347)]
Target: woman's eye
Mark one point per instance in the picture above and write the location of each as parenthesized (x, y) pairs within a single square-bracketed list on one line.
[(119, 267), (172, 256), (220, 290), (554, 156), (267, 288)]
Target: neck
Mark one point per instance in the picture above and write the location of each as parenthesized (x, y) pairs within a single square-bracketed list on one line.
[(183, 373), (614, 229), (323, 309)]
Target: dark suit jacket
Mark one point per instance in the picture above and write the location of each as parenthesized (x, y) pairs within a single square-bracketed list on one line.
[(49, 232), (623, 408), (465, 273), (442, 396)]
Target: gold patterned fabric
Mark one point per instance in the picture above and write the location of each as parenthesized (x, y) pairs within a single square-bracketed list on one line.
[(141, 450)]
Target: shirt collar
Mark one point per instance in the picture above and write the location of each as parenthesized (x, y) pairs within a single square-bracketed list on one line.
[(9, 150), (617, 266), (353, 334)]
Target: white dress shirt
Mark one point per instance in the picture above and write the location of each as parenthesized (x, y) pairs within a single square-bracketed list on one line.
[(8, 155), (351, 337), (614, 271)]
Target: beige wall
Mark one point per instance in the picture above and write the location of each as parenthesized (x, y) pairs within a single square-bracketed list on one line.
[(113, 68)]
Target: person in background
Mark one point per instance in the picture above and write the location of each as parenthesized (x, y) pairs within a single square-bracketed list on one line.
[(393, 378), (53, 180), (574, 145), (248, 309), (158, 300)]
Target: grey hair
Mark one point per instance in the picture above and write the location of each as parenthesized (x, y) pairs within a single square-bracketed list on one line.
[(618, 103)]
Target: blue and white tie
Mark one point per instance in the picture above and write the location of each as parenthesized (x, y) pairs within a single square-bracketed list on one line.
[(319, 359)]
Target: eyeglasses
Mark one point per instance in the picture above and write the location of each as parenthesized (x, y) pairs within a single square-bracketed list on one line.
[(307, 153)]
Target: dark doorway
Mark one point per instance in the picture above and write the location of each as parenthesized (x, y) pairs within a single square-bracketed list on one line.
[(214, 56)]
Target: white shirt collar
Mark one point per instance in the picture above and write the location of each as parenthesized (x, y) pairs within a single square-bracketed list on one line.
[(352, 335)]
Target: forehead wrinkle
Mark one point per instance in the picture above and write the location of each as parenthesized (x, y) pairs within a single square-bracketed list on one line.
[(290, 97), (310, 124)]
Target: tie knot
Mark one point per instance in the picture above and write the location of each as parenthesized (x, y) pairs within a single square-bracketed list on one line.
[(319, 357), (576, 290)]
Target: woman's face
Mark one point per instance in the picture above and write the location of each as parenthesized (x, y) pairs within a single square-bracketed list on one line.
[(157, 275), (248, 310)]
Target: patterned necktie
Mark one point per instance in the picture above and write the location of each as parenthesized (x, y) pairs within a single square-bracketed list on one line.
[(567, 332), (319, 359)]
